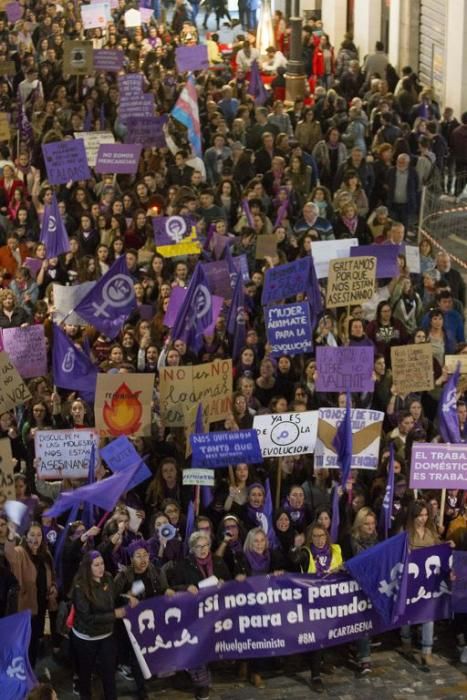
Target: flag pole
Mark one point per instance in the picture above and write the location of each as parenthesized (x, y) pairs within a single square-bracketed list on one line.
[(442, 507), (197, 499), (278, 484), (231, 475)]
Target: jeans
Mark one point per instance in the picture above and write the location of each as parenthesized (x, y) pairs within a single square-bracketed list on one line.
[(86, 653), (364, 650), (427, 636)]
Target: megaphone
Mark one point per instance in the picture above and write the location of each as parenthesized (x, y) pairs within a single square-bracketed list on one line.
[(15, 511), (167, 531)]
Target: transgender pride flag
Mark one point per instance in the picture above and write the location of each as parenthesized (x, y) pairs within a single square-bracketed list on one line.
[(186, 111)]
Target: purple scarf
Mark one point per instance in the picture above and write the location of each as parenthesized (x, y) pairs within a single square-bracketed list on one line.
[(297, 516), (351, 223), (259, 563), (205, 565), (322, 559)]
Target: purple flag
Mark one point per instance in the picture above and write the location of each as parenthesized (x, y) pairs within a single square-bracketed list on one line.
[(447, 413), (342, 443), (196, 314), (236, 320), (170, 230), (459, 582), (103, 494), (58, 561), (109, 303), (88, 509), (336, 518), (190, 525), (248, 214), (24, 125), (313, 295), (382, 572), (281, 213), (388, 500), (120, 454), (207, 493), (102, 123), (268, 511), (71, 367), (255, 87), (53, 232), (16, 675), (190, 58)]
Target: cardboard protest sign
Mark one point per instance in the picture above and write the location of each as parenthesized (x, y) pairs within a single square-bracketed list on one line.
[(344, 368), (366, 429), (324, 251), (7, 68), (222, 448), (123, 404), (286, 433), (13, 389), (350, 281), (386, 258), (65, 161), (190, 58), (92, 141), (198, 477), (438, 466), (96, 15), (27, 350), (66, 299), (451, 361), (286, 280), (289, 329), (108, 60), (7, 484), (149, 131), (412, 367), (182, 388), (77, 57), (266, 246), (4, 127), (64, 454), (119, 158), (120, 454)]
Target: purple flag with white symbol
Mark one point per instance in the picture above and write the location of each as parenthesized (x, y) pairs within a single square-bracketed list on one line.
[(255, 87), (170, 230), (53, 232), (197, 313), (16, 675), (236, 320), (109, 303), (71, 367), (447, 413)]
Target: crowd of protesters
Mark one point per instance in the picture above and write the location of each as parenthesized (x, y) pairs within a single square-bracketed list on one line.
[(350, 159)]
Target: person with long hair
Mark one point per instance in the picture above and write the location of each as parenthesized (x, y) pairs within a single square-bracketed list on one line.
[(32, 565), (92, 634)]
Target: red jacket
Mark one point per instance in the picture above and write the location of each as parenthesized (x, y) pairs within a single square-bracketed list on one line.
[(318, 62)]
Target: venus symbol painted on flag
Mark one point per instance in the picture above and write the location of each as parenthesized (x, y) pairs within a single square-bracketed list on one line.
[(123, 413), (115, 293)]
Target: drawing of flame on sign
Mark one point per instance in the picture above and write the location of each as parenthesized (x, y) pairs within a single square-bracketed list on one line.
[(123, 413)]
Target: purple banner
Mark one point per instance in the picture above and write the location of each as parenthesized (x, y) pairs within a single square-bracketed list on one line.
[(277, 615), (109, 60), (146, 130), (27, 350), (386, 258), (289, 329), (438, 466), (119, 158), (65, 161), (286, 281), (192, 58), (342, 369), (459, 582)]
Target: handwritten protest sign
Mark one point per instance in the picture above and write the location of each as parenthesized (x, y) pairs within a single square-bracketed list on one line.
[(350, 281), (198, 477), (412, 367), (120, 454), (325, 251), (289, 329), (149, 131), (64, 454), (66, 299), (286, 281), (13, 389), (386, 258), (183, 387), (7, 68), (133, 101), (108, 60), (92, 141), (123, 404), (342, 369), (451, 361), (65, 161), (27, 350), (221, 448), (77, 57), (190, 58), (266, 246), (96, 15), (286, 433), (4, 127), (412, 258), (366, 429), (438, 466), (120, 158), (7, 484)]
